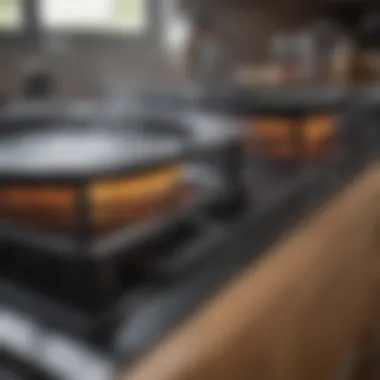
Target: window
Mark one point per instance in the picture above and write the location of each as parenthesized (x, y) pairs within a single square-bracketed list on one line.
[(11, 15), (177, 27), (94, 16)]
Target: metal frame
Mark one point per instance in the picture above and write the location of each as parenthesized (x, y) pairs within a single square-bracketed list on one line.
[(76, 241)]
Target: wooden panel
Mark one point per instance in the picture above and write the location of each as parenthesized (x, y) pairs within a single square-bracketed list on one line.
[(49, 206), (273, 137), (318, 133), (270, 137), (303, 312), (129, 189), (111, 203), (127, 200)]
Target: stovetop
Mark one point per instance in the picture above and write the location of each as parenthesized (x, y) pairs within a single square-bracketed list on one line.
[(153, 309)]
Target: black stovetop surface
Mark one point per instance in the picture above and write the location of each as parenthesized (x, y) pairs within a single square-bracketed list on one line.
[(159, 311)]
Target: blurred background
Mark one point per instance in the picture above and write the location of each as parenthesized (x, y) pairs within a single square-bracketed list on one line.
[(92, 47)]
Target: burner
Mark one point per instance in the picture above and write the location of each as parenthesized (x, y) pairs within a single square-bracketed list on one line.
[(79, 204)]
